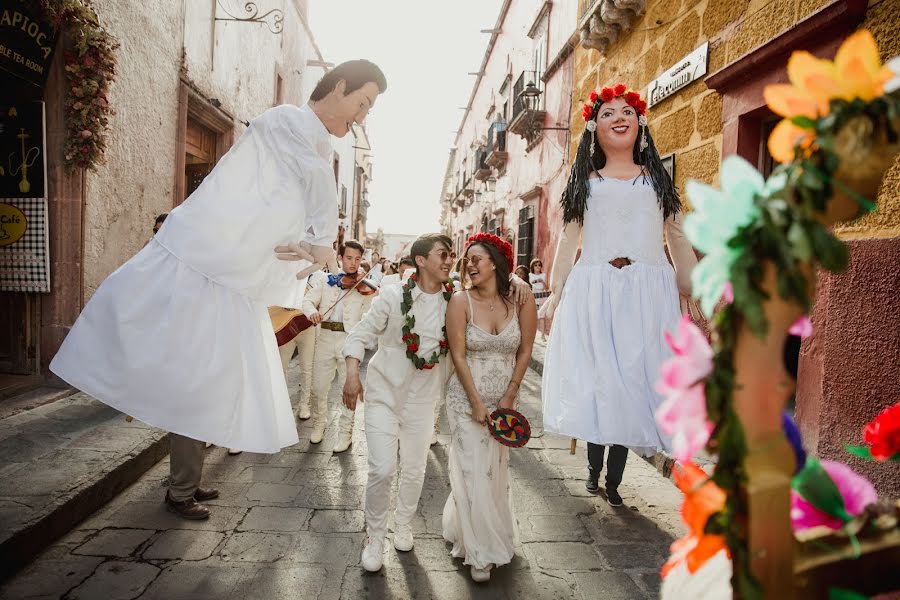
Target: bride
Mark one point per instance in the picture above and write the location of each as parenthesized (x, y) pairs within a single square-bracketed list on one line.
[(490, 344)]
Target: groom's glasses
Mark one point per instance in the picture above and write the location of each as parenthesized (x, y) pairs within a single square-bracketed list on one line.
[(442, 254)]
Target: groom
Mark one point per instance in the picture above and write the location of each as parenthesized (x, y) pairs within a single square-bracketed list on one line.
[(400, 395), (405, 379)]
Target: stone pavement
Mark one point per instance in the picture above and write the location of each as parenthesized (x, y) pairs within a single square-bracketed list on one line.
[(59, 462), (291, 526)]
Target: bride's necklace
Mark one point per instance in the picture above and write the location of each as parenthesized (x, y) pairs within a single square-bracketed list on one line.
[(490, 303)]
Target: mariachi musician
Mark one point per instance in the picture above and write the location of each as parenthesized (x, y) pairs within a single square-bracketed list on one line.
[(337, 305)]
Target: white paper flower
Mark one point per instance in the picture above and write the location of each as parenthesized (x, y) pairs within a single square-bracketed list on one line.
[(591, 126)]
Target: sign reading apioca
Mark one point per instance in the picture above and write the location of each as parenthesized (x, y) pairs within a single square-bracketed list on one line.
[(26, 41), (686, 71)]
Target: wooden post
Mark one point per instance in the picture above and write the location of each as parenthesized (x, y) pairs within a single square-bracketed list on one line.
[(762, 387)]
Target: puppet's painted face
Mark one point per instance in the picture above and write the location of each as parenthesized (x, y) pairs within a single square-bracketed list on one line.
[(617, 125), (350, 108)]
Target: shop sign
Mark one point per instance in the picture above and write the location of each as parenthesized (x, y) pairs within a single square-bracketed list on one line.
[(686, 71), (26, 42), (24, 239)]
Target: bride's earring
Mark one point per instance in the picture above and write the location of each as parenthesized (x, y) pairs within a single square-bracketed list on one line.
[(642, 121)]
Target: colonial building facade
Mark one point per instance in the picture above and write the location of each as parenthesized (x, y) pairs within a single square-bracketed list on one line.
[(508, 165), (190, 77)]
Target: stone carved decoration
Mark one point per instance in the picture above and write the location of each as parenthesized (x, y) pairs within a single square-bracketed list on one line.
[(599, 35), (621, 17), (608, 19)]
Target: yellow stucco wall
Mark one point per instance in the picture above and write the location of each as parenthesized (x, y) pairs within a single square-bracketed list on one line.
[(689, 123)]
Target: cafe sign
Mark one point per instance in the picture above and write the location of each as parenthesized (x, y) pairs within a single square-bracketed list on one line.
[(686, 71), (26, 42)]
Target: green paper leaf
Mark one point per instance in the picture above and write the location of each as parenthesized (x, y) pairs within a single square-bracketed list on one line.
[(843, 594), (860, 451), (815, 485), (803, 122)]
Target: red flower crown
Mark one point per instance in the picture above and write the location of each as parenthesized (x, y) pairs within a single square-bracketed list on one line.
[(497, 242), (607, 94)]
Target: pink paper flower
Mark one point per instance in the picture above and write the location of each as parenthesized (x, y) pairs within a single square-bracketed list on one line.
[(855, 489), (682, 414), (728, 294), (802, 327)]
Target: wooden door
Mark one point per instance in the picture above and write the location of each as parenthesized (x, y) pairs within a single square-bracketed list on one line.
[(13, 334)]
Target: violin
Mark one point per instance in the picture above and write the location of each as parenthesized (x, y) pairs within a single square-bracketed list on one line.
[(357, 280)]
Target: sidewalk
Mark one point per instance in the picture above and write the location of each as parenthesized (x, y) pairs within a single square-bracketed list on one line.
[(62, 459)]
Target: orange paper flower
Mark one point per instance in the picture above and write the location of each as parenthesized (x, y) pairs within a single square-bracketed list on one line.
[(856, 72), (702, 498)]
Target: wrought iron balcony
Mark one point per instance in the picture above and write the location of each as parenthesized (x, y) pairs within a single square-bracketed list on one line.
[(528, 106), (482, 169), (468, 187), (496, 146)]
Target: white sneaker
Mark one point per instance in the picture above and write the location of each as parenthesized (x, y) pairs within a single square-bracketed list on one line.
[(403, 538), (234, 451), (434, 439), (480, 575), (303, 413), (345, 439), (318, 432), (372, 555)]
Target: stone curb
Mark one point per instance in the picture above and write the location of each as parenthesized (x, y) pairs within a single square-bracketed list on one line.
[(66, 512)]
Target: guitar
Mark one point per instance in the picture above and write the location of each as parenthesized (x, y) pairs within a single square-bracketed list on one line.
[(287, 323)]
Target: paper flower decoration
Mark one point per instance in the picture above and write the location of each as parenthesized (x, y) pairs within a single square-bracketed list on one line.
[(882, 434), (716, 219), (683, 413), (702, 498), (802, 327), (828, 494), (856, 72)]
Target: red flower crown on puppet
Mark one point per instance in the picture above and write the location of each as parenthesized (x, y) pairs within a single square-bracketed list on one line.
[(497, 242), (607, 94)]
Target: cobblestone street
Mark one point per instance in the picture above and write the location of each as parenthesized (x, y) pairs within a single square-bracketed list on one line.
[(291, 525)]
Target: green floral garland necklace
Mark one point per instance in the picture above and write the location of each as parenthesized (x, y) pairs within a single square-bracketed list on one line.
[(411, 338)]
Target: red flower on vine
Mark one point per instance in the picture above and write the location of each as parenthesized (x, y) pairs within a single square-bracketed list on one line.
[(413, 347), (442, 344), (497, 242)]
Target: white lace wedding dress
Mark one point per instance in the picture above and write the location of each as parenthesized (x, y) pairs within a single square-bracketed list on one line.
[(478, 516)]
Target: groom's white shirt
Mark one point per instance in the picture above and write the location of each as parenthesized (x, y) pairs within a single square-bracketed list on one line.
[(390, 371)]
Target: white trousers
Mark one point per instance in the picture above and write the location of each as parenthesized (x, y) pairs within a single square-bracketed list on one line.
[(327, 363), (305, 342), (406, 431)]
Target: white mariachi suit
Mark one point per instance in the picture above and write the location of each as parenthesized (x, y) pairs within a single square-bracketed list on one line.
[(399, 400), (328, 359), (305, 343)]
